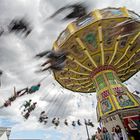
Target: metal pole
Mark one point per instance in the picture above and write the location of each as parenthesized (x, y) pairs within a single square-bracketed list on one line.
[(1, 72), (87, 130), (0, 81)]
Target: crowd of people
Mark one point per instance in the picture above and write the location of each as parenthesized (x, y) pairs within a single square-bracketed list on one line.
[(43, 118), (117, 134), (27, 107)]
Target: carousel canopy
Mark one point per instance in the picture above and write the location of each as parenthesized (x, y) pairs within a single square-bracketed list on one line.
[(107, 38)]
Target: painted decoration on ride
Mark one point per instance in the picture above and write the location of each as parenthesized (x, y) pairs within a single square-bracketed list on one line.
[(106, 105), (108, 36), (71, 64), (90, 39), (137, 63), (123, 99), (75, 86), (108, 40), (63, 73), (107, 57), (106, 13), (76, 51), (119, 90), (63, 36), (123, 42), (89, 64), (122, 62), (133, 47), (66, 73), (105, 94), (97, 59), (111, 78), (101, 82), (131, 122), (137, 55), (82, 70), (117, 56), (67, 81), (84, 21)]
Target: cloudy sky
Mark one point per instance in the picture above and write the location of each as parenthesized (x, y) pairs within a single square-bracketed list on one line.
[(19, 65)]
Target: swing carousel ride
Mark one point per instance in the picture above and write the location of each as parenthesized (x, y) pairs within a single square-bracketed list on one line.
[(103, 51)]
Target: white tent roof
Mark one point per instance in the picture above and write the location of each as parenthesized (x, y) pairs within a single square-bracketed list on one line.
[(4, 136)]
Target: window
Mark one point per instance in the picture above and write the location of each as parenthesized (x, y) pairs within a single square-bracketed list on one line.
[(111, 79)]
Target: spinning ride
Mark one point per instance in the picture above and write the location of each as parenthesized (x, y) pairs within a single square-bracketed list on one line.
[(103, 52)]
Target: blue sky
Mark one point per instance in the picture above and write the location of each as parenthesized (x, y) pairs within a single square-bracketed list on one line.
[(38, 134), (52, 134)]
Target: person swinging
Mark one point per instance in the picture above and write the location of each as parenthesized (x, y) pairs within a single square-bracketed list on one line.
[(30, 90)]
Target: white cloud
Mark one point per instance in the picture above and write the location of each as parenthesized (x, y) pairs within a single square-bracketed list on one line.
[(17, 61)]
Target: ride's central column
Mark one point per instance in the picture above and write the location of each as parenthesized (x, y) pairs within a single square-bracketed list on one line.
[(112, 95)]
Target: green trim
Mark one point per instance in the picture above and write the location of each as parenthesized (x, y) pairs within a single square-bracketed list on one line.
[(91, 39), (101, 82)]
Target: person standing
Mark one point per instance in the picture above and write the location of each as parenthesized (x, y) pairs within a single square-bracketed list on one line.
[(114, 134), (106, 135), (99, 134), (121, 133)]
